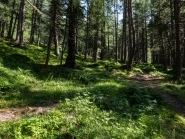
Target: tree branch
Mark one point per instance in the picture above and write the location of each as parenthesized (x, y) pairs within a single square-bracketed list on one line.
[(36, 8)]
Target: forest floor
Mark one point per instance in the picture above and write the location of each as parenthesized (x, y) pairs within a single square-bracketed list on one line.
[(141, 80), (149, 80)]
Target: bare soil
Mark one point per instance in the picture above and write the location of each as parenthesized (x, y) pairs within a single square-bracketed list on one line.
[(17, 113)]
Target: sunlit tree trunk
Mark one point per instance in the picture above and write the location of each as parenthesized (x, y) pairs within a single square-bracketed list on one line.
[(124, 42), (14, 25), (132, 37), (95, 52), (87, 31), (57, 51)]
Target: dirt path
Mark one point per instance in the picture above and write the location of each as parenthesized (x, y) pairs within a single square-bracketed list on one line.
[(17, 113), (149, 80), (146, 80)]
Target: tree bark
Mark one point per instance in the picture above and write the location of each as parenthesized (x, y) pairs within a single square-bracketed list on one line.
[(95, 52), (178, 58), (143, 45), (20, 27), (14, 25), (49, 47), (57, 51), (52, 32), (34, 20), (3, 23), (146, 42), (72, 18), (123, 48), (11, 20), (39, 24), (87, 32), (132, 37), (63, 44)]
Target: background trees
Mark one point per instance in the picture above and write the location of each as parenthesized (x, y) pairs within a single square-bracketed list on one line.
[(127, 31)]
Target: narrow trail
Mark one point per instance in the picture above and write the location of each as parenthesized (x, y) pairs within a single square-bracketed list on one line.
[(149, 80)]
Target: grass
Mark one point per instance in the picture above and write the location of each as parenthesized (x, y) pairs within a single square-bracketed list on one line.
[(93, 104)]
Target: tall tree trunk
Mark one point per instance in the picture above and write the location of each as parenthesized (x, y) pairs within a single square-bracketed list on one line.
[(21, 41), (52, 31), (76, 39), (57, 51), (129, 27), (39, 31), (164, 53), (72, 17), (116, 28), (87, 32), (184, 48), (14, 25), (178, 58), (95, 44), (55, 32), (108, 40), (39, 24), (133, 44), (146, 42), (123, 48), (33, 25), (63, 43), (0, 28), (11, 20), (143, 45), (172, 35), (20, 27), (3, 23), (103, 41), (49, 47)]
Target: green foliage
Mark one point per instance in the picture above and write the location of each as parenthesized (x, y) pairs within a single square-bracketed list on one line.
[(129, 101), (92, 102), (80, 118), (146, 67), (175, 89)]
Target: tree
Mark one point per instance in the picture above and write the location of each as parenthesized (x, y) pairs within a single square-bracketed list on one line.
[(132, 42), (33, 22), (124, 33), (11, 20), (178, 57), (20, 26), (72, 14), (87, 30), (53, 30)]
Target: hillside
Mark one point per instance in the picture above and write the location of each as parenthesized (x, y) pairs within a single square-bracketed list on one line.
[(94, 100)]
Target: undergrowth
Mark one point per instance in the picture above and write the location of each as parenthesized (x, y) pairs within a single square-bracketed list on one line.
[(92, 103)]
